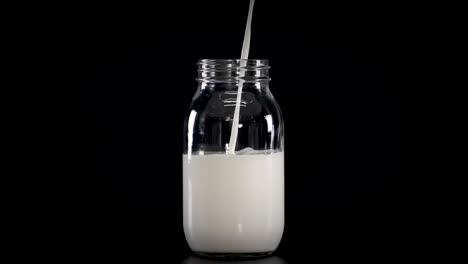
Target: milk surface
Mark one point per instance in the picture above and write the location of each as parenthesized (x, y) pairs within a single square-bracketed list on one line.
[(233, 203)]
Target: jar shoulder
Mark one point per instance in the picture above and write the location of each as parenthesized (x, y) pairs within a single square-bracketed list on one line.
[(221, 104)]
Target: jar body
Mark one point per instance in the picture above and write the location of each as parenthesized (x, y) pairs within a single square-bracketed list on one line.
[(233, 204)]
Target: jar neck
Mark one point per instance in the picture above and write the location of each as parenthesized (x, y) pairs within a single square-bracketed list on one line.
[(226, 72)]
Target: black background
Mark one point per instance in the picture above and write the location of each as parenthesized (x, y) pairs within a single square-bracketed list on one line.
[(136, 71)]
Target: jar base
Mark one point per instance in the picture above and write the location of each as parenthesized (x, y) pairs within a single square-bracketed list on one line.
[(233, 255)]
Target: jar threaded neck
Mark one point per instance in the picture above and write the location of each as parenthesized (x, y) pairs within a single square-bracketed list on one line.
[(230, 70)]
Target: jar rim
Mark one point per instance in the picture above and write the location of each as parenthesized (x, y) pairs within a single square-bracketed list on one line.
[(262, 63), (232, 60)]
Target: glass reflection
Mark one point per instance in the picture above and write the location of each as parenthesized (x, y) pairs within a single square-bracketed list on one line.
[(268, 260)]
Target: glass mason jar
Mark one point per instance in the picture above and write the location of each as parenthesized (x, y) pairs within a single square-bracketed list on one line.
[(233, 203)]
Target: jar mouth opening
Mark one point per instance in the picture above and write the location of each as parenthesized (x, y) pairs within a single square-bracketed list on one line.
[(231, 60), (234, 63)]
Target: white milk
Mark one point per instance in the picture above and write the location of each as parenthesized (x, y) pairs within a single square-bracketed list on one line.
[(233, 203)]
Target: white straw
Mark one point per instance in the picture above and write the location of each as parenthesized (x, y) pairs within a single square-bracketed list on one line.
[(243, 63)]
